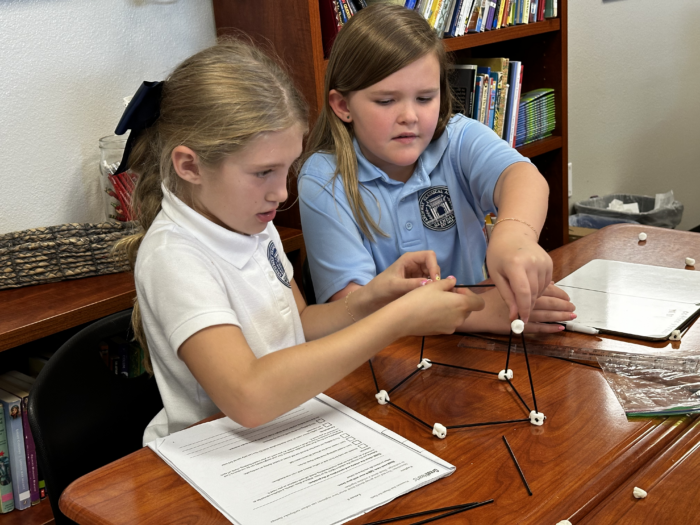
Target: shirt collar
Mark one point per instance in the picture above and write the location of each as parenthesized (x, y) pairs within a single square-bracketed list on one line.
[(427, 161), (234, 247)]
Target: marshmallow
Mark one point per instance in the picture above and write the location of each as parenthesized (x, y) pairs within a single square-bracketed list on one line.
[(517, 326), (675, 335), (689, 261), (503, 374), (564, 522), (536, 418), (439, 431), (382, 397), (425, 364), (642, 236), (639, 493)]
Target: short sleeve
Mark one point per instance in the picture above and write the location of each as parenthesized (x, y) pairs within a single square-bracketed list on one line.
[(180, 291), (334, 243), (483, 157)]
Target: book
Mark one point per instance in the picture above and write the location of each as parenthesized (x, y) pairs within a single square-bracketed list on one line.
[(473, 23), (18, 388), (512, 102), (518, 88), (476, 108), (499, 14), (498, 65), (485, 97), (463, 83), (12, 410), (550, 9), (443, 18), (7, 502)]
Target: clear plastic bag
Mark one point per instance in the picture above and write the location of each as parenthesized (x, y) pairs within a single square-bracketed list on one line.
[(670, 387)]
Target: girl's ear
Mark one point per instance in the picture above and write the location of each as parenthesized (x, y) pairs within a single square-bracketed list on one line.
[(186, 164), (339, 105)]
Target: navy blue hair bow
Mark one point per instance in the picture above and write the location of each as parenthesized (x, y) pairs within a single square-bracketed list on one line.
[(141, 113)]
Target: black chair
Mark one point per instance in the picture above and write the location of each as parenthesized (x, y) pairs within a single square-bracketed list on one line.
[(82, 415), (306, 283)]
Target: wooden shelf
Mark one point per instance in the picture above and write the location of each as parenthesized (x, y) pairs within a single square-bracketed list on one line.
[(32, 312), (40, 514), (540, 146), (501, 35)]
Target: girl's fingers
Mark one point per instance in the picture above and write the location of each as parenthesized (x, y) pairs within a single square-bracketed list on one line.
[(507, 295), (541, 328)]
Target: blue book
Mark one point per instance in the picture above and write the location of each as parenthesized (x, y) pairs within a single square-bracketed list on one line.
[(455, 18), (12, 410), (477, 98), (410, 4)]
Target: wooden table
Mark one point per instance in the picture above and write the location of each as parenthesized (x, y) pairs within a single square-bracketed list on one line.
[(579, 464), (32, 312)]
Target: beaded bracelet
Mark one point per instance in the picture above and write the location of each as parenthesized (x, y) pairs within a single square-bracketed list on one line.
[(347, 308), (518, 220)]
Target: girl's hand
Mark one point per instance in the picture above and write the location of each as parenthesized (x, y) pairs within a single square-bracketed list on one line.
[(519, 267), (554, 306), (436, 308), (406, 274)]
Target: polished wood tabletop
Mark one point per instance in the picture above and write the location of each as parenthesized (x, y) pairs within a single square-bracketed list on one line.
[(32, 312), (579, 464)]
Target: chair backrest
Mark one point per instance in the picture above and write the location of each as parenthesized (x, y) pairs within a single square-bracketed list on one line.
[(306, 283), (82, 415)]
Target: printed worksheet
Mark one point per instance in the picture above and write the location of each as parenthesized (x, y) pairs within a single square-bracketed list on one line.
[(320, 463)]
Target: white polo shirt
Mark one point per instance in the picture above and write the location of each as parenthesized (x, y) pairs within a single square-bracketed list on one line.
[(191, 274)]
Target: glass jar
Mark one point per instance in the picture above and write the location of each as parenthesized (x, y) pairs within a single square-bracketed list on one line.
[(111, 151)]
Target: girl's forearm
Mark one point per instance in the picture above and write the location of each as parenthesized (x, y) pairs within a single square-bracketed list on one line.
[(522, 193), (282, 380)]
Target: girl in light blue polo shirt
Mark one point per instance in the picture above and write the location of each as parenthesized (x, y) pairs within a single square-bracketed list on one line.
[(389, 170)]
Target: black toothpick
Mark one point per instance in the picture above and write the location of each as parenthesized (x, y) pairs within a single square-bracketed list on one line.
[(517, 465)]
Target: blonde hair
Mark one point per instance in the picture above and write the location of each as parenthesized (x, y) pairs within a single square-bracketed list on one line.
[(377, 42), (215, 103)]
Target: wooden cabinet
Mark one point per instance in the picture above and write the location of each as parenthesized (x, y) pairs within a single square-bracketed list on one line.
[(293, 29)]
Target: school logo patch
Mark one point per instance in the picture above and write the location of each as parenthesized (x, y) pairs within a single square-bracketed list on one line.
[(276, 264), (436, 209)]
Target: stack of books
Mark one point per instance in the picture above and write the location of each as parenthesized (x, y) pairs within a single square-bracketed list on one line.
[(536, 118), (449, 18), (488, 90)]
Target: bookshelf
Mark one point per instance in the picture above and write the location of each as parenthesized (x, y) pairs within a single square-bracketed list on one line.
[(293, 29)]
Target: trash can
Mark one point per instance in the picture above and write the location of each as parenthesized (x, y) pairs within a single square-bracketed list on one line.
[(585, 220), (668, 215)]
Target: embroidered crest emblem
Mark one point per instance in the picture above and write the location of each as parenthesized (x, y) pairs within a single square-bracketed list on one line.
[(276, 264), (436, 209)]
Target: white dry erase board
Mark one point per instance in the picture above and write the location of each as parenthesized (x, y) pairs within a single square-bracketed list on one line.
[(634, 300)]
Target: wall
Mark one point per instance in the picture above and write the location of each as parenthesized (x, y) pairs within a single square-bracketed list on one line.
[(66, 65), (634, 107)]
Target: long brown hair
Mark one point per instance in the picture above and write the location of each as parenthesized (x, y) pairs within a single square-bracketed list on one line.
[(215, 103), (377, 42)]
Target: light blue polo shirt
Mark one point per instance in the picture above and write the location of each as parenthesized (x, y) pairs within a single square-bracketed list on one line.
[(441, 208)]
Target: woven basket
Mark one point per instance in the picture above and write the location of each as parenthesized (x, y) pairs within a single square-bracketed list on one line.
[(57, 253)]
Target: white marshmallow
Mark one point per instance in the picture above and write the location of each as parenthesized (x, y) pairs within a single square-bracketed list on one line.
[(425, 364), (642, 236), (639, 493), (537, 418), (564, 522), (439, 431), (675, 335), (517, 326), (503, 374), (689, 261), (382, 397)]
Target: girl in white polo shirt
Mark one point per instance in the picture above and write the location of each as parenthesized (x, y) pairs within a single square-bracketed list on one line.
[(217, 308)]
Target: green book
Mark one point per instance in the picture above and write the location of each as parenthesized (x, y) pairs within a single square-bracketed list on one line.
[(7, 502)]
